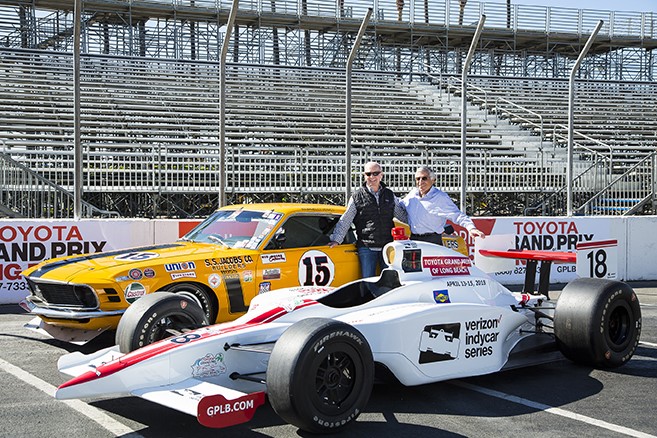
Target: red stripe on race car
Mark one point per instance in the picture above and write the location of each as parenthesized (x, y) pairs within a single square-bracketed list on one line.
[(165, 345)]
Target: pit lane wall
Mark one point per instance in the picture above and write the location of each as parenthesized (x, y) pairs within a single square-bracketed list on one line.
[(27, 242)]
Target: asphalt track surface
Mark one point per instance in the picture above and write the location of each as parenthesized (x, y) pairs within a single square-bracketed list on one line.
[(556, 400)]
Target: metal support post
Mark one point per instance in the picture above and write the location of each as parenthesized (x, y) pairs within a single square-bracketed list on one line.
[(222, 107), (464, 111), (77, 142), (350, 62), (571, 112)]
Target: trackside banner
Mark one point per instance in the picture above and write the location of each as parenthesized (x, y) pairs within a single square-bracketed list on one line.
[(548, 234), (24, 243)]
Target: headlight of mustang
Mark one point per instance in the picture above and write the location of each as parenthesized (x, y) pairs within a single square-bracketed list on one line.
[(52, 293)]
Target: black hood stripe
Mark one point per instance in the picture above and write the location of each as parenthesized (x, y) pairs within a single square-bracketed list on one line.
[(54, 265)]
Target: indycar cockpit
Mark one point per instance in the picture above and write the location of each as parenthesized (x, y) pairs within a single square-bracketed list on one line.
[(362, 291)]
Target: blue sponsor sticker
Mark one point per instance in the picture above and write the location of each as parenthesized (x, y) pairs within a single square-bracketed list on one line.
[(441, 296)]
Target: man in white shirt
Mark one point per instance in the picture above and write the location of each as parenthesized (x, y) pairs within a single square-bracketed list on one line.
[(429, 209)]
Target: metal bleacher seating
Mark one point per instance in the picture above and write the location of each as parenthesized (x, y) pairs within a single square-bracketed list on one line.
[(152, 125), (621, 116), (615, 132)]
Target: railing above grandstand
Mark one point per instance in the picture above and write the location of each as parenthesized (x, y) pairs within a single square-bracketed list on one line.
[(518, 18)]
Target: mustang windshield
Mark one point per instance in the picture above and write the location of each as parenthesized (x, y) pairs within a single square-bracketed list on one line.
[(235, 228)]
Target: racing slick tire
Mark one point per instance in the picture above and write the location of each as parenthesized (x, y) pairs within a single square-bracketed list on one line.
[(157, 316), (320, 375), (205, 299), (597, 322)]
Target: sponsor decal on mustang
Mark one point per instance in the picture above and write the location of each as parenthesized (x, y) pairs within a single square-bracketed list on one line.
[(214, 280), (134, 291), (228, 263), (278, 257), (264, 287), (183, 266), (271, 274), (177, 275), (149, 273), (135, 274), (138, 256)]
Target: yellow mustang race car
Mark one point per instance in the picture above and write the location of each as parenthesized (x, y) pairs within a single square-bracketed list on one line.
[(240, 251)]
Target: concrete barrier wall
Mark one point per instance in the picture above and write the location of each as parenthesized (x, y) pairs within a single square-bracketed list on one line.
[(30, 241)]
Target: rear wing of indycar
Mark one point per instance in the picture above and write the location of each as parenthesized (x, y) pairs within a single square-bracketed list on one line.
[(592, 259)]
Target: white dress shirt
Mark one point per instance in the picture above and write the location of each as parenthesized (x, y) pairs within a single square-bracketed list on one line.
[(429, 213)]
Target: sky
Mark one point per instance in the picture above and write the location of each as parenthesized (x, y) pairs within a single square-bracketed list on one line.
[(599, 5)]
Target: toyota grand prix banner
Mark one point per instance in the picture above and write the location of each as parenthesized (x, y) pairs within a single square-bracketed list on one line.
[(24, 243), (560, 234)]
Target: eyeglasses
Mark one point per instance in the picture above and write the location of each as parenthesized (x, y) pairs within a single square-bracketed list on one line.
[(421, 178), (372, 173)]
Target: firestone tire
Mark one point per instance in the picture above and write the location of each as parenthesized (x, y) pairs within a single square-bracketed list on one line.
[(202, 296), (157, 316), (597, 322), (320, 375)]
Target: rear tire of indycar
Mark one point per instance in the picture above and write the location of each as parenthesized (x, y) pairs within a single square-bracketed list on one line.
[(320, 375), (597, 322), (157, 316)]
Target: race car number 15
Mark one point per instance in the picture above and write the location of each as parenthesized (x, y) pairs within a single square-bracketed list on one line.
[(598, 259), (316, 269)]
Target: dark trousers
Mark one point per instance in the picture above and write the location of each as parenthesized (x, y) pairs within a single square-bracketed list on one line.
[(429, 237)]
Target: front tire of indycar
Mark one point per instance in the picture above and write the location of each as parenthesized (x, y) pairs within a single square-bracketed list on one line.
[(597, 322), (320, 375), (157, 316)]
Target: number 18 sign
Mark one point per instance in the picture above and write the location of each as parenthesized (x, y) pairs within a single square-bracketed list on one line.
[(598, 259)]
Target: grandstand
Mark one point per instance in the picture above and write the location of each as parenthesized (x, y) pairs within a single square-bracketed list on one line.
[(150, 105)]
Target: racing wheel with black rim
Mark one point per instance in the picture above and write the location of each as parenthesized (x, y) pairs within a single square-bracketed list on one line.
[(157, 316), (320, 375), (204, 298), (597, 322)]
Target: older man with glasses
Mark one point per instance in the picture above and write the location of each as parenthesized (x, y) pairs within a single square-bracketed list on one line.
[(429, 208), (371, 208)]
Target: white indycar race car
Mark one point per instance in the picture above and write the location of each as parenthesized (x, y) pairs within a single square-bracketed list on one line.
[(313, 351)]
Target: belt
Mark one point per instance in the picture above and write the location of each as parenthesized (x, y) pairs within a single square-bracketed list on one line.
[(425, 234)]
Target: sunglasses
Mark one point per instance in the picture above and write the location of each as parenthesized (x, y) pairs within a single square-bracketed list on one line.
[(372, 173), (421, 178)]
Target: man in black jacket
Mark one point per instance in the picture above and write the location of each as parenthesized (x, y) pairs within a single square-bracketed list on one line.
[(371, 209)]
